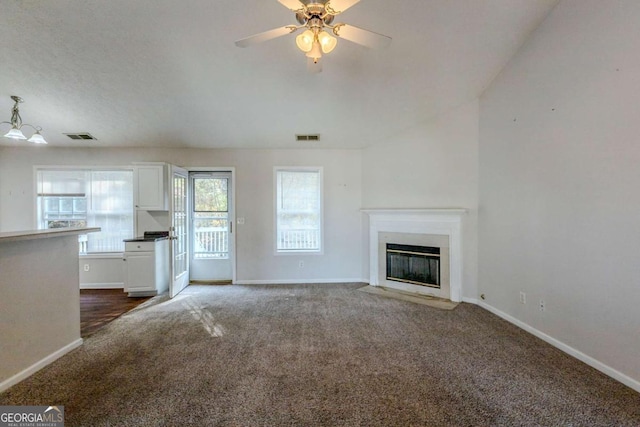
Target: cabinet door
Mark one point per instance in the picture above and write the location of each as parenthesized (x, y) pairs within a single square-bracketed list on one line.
[(151, 188), (139, 272)]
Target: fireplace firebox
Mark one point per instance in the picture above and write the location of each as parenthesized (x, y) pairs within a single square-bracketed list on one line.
[(417, 265)]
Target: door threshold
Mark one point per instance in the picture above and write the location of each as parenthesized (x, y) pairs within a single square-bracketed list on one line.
[(210, 282)]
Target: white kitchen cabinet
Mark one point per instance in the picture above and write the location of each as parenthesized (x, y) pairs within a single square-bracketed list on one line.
[(146, 267), (151, 187)]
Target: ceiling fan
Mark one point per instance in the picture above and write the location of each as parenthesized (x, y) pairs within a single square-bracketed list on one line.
[(316, 16)]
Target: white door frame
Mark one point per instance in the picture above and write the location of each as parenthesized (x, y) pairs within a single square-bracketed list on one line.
[(176, 286), (232, 218)]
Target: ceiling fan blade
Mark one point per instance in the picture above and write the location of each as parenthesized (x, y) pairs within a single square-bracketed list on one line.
[(335, 7), (314, 67), (267, 35), (361, 36), (294, 5)]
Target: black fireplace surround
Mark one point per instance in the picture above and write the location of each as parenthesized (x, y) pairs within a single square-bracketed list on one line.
[(416, 265)]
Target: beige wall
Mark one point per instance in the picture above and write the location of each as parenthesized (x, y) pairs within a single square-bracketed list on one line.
[(559, 177), (256, 260), (39, 303), (434, 165)]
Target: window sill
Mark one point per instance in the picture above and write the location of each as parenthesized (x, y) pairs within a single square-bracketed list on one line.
[(292, 252)]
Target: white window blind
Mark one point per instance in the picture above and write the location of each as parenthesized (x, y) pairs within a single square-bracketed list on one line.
[(298, 210), (88, 198)]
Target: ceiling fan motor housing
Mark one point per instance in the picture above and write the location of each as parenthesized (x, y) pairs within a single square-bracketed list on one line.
[(314, 14)]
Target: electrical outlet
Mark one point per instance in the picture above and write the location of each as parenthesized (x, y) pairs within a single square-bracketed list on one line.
[(523, 298), (301, 264), (240, 221), (542, 307), (87, 267)]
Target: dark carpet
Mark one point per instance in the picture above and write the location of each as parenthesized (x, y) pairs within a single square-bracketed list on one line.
[(320, 355)]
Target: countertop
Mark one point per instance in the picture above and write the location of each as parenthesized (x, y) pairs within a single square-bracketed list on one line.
[(147, 239), (13, 236)]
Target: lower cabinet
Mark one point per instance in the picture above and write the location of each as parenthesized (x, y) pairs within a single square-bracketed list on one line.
[(146, 267)]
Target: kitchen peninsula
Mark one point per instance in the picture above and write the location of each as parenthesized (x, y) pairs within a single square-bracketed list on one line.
[(39, 299)]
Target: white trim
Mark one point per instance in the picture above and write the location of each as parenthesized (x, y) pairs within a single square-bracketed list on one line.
[(15, 379), (101, 255), (85, 167), (178, 281), (470, 300), (447, 222), (605, 369), (232, 170), (233, 206), (298, 281), (414, 211), (114, 285)]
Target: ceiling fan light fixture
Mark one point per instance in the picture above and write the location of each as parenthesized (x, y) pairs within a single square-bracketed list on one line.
[(327, 41), (315, 19), (305, 41), (315, 52), (15, 133)]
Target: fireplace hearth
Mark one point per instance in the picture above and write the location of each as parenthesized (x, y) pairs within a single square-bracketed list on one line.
[(416, 265)]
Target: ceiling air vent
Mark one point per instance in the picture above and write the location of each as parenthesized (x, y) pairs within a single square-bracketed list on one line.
[(314, 137), (81, 136)]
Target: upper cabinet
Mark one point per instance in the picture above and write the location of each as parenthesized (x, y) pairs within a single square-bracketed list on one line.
[(151, 187)]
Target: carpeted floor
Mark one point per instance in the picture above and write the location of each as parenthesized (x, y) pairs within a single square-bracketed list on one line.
[(320, 355)]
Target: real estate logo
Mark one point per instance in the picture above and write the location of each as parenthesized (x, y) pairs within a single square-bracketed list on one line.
[(31, 416)]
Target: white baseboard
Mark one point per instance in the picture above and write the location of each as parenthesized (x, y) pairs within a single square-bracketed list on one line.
[(39, 365), (605, 369), (115, 285), (296, 281), (470, 300)]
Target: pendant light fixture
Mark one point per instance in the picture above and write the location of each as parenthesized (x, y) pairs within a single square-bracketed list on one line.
[(16, 125)]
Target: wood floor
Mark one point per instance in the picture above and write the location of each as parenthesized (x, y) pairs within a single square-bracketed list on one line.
[(101, 306)]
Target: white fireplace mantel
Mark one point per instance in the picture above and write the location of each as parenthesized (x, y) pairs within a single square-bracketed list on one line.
[(443, 221)]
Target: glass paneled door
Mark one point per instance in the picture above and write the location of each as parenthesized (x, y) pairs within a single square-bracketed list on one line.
[(212, 227), (179, 233)]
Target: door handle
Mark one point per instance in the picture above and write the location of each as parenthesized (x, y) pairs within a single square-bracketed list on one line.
[(230, 227)]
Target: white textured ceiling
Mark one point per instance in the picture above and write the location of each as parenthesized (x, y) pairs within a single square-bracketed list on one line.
[(166, 73)]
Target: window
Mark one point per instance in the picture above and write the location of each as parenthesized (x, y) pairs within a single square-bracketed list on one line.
[(298, 210), (210, 216), (88, 198)]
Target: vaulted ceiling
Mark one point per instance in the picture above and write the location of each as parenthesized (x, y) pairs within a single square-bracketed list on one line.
[(166, 73)]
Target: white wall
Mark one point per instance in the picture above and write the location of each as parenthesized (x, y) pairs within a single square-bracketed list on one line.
[(434, 165), (559, 184), (39, 309), (101, 271), (256, 261)]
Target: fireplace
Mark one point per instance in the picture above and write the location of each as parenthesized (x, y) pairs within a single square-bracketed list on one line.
[(416, 265), (438, 228)]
